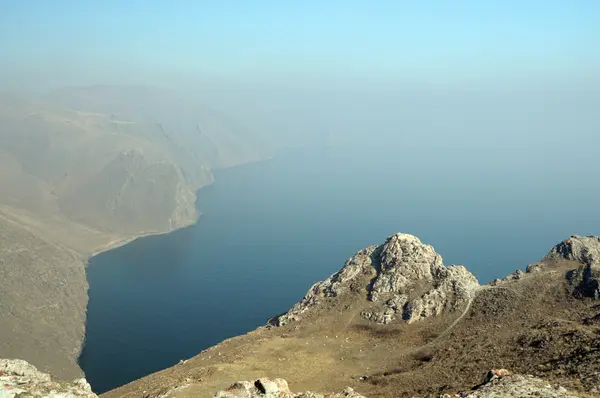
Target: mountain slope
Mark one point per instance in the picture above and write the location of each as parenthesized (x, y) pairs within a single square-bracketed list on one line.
[(43, 300), (90, 169), (81, 171), (532, 322), (184, 125)]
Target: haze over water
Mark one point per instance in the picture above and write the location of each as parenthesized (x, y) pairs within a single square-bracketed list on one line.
[(473, 125), (271, 229)]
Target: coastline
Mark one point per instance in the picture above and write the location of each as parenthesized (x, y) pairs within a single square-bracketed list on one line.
[(116, 243), (120, 241)]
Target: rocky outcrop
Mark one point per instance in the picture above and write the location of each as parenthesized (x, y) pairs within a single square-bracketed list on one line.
[(359, 265), (586, 250), (20, 379), (500, 383), (404, 278), (275, 388)]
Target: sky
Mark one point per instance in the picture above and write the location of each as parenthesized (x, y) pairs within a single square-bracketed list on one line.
[(292, 44), (482, 72)]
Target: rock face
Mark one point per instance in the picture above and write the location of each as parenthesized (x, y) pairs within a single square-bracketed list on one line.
[(586, 250), (501, 384), (20, 379), (275, 388), (406, 279)]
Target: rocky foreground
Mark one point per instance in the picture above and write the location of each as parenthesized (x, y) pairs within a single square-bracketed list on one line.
[(21, 379), (396, 322), (499, 383)]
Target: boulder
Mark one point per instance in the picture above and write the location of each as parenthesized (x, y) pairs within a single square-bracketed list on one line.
[(585, 250), (18, 378), (275, 388), (500, 383)]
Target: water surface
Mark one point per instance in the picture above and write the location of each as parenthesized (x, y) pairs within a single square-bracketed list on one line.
[(270, 230)]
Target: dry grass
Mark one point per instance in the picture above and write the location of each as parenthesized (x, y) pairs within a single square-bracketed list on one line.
[(529, 326)]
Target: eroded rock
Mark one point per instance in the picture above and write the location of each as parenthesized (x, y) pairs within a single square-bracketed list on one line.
[(275, 388), (18, 378), (500, 383), (403, 278), (360, 264), (586, 250)]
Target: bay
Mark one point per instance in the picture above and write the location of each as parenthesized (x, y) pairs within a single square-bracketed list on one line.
[(269, 230)]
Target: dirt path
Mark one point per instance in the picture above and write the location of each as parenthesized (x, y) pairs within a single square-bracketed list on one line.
[(468, 308)]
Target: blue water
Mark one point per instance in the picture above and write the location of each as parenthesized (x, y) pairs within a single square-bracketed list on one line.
[(269, 230)]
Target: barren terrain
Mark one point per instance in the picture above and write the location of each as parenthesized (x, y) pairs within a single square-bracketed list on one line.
[(82, 171), (530, 325)]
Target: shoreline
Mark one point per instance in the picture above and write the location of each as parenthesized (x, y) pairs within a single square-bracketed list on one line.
[(116, 243)]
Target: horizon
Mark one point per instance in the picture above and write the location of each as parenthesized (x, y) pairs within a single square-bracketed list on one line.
[(443, 45)]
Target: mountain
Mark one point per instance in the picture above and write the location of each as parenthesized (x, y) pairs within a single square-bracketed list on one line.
[(43, 299), (395, 321), (82, 170), (191, 130), (90, 155)]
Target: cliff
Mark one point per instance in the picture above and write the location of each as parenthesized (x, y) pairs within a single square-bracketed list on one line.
[(395, 321)]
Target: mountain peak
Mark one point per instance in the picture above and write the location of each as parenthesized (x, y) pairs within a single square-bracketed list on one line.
[(401, 277)]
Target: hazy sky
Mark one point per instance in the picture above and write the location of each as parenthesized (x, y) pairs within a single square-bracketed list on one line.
[(292, 43)]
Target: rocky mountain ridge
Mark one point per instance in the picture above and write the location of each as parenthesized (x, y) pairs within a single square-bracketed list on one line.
[(394, 321), (585, 250), (408, 280)]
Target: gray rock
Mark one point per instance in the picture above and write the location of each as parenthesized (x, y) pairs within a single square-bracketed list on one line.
[(586, 250), (453, 288), (360, 264), (406, 278), (533, 268), (518, 274), (18, 378), (19, 367), (275, 388), (501, 384)]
